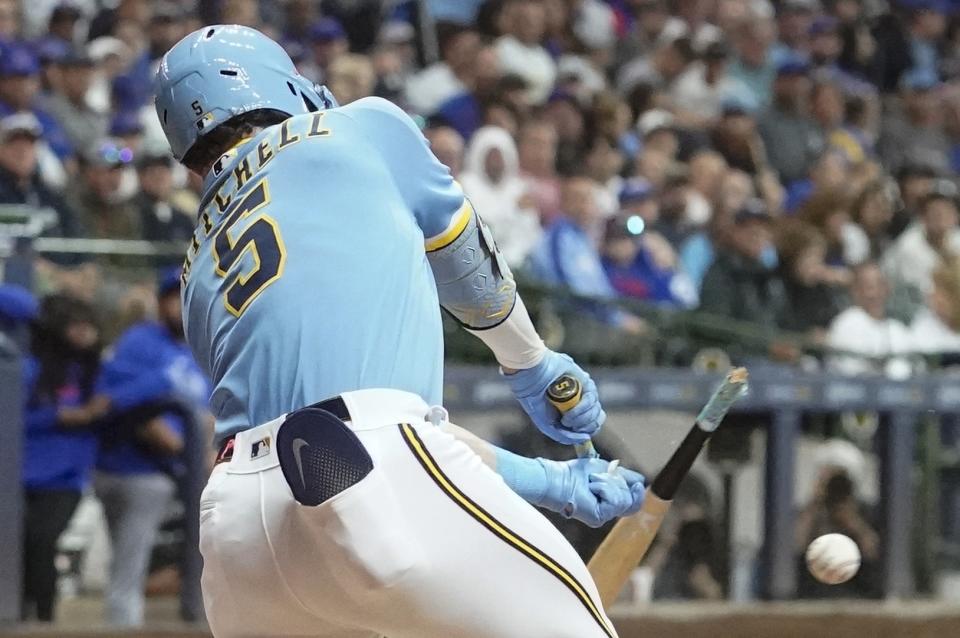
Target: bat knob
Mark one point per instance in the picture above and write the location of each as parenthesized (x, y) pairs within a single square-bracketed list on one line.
[(565, 392)]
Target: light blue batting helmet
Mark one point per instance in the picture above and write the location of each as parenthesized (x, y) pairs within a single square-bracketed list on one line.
[(221, 71)]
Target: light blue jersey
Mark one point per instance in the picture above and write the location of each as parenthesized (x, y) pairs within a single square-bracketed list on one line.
[(307, 276)]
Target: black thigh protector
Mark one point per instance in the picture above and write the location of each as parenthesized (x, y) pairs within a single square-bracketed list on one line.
[(319, 455)]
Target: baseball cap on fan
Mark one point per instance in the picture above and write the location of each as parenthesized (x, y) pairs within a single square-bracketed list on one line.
[(396, 32), (327, 30), (655, 120), (754, 210), (20, 125), (168, 281), (17, 60), (635, 189)]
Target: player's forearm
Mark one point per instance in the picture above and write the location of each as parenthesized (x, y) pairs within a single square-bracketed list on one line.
[(525, 476), (476, 287), (515, 342)]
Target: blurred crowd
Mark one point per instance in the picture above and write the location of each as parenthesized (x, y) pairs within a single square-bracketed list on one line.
[(789, 164)]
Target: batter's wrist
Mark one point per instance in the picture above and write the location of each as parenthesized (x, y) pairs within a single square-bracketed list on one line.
[(525, 476)]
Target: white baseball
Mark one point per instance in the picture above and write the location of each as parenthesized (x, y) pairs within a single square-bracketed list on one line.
[(833, 558)]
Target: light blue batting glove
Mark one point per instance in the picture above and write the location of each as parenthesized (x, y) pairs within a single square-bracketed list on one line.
[(583, 489), (530, 387)]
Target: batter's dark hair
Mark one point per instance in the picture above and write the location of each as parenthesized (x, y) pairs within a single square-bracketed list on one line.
[(210, 146)]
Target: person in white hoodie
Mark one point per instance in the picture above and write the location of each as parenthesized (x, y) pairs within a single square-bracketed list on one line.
[(491, 179)]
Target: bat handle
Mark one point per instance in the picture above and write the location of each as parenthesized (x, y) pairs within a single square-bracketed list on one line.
[(564, 394), (586, 450)]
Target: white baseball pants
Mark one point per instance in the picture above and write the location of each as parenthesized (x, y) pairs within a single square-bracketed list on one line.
[(430, 544)]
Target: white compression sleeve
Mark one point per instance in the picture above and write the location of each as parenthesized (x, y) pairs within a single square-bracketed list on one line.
[(514, 342)]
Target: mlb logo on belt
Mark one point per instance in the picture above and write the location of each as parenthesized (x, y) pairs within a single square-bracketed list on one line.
[(260, 448)]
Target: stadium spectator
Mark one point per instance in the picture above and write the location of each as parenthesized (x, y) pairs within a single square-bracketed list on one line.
[(699, 93), (140, 449), (794, 21), (753, 64), (611, 117), (603, 163), (50, 51), (828, 212), (111, 57), (447, 145), (394, 58), (911, 260), (742, 283), (165, 26), (873, 341), (63, 22), (61, 410), (109, 18), (699, 250), (914, 183), (568, 256), (97, 196), (637, 197), (657, 131), (464, 110), (9, 19), (537, 150), (520, 50), (20, 181), (70, 106), (735, 137), (19, 89), (707, 172), (814, 289), (662, 69), (327, 42), (836, 508), (914, 133), (859, 45), (450, 76), (646, 20), (868, 235), (351, 77), (691, 570), (641, 264), (935, 328), (160, 218), (792, 139), (827, 106), (825, 44), (491, 179)]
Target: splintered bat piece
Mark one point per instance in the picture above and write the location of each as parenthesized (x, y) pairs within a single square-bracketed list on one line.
[(628, 541)]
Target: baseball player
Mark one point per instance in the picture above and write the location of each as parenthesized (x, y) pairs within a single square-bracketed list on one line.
[(343, 504)]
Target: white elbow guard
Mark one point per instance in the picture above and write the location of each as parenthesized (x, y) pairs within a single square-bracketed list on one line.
[(474, 283)]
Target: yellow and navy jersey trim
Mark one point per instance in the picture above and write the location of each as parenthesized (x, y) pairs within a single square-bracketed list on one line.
[(429, 464), (458, 222)]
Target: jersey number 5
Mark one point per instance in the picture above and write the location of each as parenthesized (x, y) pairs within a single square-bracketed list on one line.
[(261, 239)]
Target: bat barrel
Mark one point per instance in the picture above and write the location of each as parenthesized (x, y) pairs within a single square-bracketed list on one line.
[(667, 482)]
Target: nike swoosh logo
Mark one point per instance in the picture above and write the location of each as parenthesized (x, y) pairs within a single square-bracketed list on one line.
[(299, 444)]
